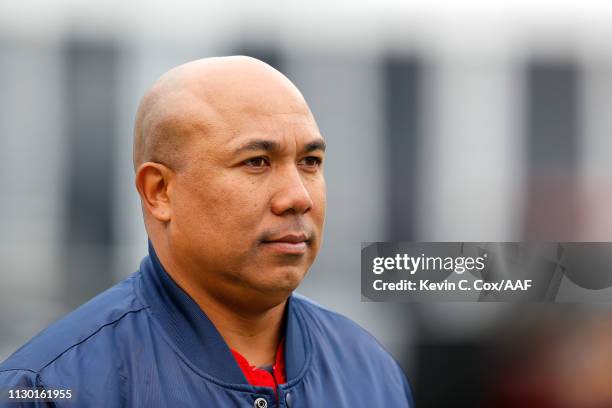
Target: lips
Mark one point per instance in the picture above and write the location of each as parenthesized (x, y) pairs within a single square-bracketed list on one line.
[(292, 238), (293, 243)]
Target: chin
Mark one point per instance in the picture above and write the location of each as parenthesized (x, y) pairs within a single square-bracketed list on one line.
[(281, 279)]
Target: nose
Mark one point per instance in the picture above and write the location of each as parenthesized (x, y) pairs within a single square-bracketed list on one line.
[(292, 195)]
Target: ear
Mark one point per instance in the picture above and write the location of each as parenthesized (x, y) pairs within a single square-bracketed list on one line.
[(154, 184)]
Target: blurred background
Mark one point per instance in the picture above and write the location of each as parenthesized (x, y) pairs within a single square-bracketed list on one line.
[(481, 121)]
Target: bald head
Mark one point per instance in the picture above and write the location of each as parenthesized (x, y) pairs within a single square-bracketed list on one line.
[(204, 96)]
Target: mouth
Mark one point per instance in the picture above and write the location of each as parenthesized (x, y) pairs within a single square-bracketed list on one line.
[(293, 243)]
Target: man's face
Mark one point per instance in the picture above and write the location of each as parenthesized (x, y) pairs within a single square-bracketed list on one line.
[(249, 202)]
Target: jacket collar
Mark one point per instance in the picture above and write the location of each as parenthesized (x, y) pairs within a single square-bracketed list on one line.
[(196, 336)]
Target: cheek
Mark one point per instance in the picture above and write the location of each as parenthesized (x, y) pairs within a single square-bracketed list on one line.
[(319, 201), (219, 209)]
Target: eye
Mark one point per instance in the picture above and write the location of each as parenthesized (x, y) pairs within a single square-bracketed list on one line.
[(257, 162), (311, 161)]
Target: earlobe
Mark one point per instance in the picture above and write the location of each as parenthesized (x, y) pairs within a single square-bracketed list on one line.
[(153, 182)]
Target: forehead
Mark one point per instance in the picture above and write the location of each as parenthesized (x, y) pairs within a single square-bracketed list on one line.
[(288, 132), (236, 108)]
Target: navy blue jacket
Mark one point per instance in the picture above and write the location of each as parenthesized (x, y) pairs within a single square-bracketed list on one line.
[(146, 343)]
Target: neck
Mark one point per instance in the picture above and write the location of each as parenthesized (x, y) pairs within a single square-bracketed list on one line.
[(254, 331), (255, 336)]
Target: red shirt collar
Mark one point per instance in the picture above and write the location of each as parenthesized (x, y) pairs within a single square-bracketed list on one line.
[(260, 377)]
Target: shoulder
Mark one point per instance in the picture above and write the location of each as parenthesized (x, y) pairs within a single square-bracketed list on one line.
[(343, 344), (86, 328), (339, 331)]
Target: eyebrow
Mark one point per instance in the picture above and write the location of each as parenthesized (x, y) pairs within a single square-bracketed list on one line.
[(316, 145), (273, 146)]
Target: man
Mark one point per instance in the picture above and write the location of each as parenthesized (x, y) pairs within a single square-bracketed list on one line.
[(229, 168)]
